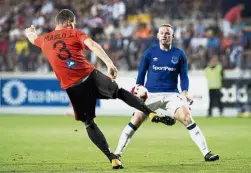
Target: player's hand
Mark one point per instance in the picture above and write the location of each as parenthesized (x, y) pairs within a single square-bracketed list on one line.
[(112, 71), (189, 100), (30, 31)]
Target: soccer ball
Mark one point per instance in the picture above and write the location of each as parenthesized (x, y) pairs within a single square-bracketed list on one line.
[(140, 91)]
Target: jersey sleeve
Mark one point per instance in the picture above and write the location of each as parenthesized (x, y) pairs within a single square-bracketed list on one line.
[(184, 81), (38, 41), (82, 36), (143, 66)]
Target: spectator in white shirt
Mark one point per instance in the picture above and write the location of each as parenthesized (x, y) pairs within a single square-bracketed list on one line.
[(118, 11), (126, 29), (47, 7)]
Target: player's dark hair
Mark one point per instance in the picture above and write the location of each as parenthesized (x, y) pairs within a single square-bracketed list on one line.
[(65, 15)]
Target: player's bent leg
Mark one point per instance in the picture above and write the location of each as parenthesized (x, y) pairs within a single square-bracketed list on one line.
[(99, 140), (129, 131), (183, 115), (138, 118)]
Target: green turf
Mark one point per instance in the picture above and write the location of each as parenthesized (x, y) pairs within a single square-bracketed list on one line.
[(60, 144)]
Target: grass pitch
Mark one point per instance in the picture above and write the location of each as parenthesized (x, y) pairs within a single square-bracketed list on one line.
[(59, 144)]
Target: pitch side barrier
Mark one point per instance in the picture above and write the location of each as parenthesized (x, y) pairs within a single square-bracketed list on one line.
[(31, 93)]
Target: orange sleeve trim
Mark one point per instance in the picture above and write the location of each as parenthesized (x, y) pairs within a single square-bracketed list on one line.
[(84, 37)]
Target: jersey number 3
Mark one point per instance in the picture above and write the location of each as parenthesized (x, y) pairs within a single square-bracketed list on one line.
[(62, 49)]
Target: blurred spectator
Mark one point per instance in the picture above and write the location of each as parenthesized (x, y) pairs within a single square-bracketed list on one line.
[(126, 29), (236, 58), (4, 48), (126, 32), (187, 35), (34, 58), (12, 53), (67, 4), (213, 25), (42, 64), (38, 20), (118, 11), (15, 32), (233, 16), (22, 52), (180, 30), (96, 8), (3, 1), (47, 7), (107, 9), (197, 30), (109, 28), (158, 9), (154, 29), (142, 31), (213, 44), (200, 28), (115, 46), (214, 75), (95, 24)]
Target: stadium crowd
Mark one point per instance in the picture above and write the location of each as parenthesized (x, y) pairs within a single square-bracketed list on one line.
[(110, 22)]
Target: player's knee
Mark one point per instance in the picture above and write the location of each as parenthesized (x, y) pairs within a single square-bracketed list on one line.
[(187, 117), (187, 120), (117, 91), (184, 116), (138, 118)]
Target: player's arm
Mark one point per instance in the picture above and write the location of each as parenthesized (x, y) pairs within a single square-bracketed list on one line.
[(184, 80), (143, 66), (31, 33), (99, 52)]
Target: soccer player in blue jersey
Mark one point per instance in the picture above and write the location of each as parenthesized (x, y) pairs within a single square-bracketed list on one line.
[(163, 63)]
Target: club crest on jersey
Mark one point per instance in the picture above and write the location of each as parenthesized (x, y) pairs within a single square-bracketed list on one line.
[(70, 63), (155, 59), (175, 60)]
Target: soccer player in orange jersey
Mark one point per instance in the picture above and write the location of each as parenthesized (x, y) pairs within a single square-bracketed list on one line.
[(83, 83)]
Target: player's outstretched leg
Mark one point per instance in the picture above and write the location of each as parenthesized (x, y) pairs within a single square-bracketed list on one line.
[(135, 102), (183, 115), (99, 140)]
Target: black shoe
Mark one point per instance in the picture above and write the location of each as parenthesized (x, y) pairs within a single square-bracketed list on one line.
[(116, 163), (165, 120), (209, 157)]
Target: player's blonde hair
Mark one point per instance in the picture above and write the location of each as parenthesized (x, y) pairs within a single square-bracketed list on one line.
[(166, 25)]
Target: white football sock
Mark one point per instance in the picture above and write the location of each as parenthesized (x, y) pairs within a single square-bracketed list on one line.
[(198, 138), (125, 138)]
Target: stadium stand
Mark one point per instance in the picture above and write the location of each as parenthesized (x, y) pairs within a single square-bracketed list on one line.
[(125, 28)]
